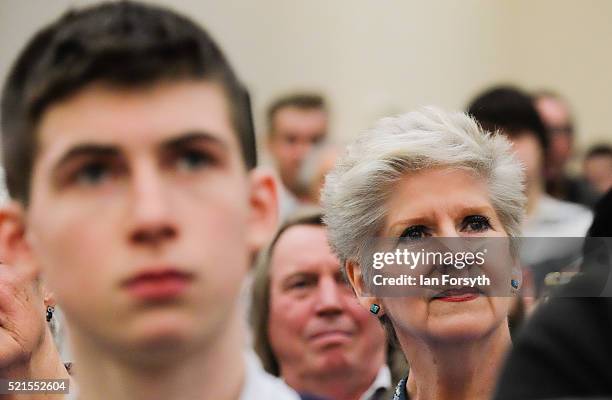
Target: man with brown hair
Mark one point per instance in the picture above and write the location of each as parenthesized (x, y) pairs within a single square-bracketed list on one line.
[(309, 327), (296, 123)]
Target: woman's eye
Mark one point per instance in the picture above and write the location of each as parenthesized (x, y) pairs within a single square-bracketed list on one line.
[(476, 223), (191, 160), (415, 232)]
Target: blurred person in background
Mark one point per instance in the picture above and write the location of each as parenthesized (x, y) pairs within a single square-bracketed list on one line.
[(560, 127), (431, 174), (130, 155), (564, 350), (309, 327), (296, 124), (597, 168), (510, 111), (313, 170)]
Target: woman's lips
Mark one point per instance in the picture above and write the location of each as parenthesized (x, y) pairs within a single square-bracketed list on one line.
[(158, 284), (458, 295)]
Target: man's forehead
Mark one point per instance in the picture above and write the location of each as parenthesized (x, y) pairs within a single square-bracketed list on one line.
[(302, 247), (297, 117), (106, 115)]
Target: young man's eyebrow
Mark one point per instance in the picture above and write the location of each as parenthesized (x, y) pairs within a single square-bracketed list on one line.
[(194, 136), (88, 150)]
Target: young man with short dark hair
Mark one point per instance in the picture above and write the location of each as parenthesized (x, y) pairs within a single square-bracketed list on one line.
[(129, 151)]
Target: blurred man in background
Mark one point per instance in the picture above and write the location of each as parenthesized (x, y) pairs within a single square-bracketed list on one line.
[(313, 170), (560, 127), (511, 112), (597, 168), (296, 123), (309, 327)]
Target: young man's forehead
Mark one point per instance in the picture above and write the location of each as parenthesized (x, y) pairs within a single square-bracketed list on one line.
[(105, 115)]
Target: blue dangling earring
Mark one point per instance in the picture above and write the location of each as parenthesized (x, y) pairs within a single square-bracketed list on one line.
[(374, 309), (514, 283)]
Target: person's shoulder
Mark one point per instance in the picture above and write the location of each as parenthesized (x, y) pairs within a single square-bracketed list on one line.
[(572, 219), (565, 208)]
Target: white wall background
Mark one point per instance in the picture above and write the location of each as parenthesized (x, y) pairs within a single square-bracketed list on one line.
[(380, 57)]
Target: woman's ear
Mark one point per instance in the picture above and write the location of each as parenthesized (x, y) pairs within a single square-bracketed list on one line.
[(48, 296), (263, 201), (516, 279), (355, 278)]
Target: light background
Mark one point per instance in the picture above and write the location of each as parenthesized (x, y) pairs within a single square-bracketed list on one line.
[(374, 58)]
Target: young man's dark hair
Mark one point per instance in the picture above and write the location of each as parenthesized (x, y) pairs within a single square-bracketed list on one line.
[(303, 101), (125, 45), (510, 110)]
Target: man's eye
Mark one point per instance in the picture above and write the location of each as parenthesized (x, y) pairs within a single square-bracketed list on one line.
[(191, 160), (301, 284), (415, 232), (92, 174), (476, 223), (291, 140)]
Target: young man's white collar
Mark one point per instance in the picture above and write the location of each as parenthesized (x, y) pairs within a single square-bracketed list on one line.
[(258, 383)]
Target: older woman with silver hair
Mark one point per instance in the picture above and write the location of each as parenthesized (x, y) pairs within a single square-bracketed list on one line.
[(431, 174)]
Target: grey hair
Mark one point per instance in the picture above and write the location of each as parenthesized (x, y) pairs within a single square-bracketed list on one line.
[(357, 189)]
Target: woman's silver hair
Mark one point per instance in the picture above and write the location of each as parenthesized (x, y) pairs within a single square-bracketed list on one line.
[(357, 189)]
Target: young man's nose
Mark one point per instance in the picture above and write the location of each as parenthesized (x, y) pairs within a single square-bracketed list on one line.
[(150, 208)]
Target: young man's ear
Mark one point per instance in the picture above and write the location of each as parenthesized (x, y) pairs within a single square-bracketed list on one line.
[(264, 209), (355, 278), (14, 247)]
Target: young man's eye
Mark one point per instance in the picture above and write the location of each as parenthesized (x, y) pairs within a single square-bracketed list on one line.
[(92, 173), (190, 160), (476, 223), (415, 232)]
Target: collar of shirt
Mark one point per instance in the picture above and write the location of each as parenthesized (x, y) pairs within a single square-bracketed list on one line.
[(382, 382)]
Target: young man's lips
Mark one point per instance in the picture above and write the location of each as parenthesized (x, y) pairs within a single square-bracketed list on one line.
[(458, 295), (158, 284)]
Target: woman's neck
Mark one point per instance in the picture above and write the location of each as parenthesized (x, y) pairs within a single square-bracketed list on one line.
[(448, 371), (213, 370), (45, 363)]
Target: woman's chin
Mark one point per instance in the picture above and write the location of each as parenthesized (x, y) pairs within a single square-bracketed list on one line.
[(461, 327)]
